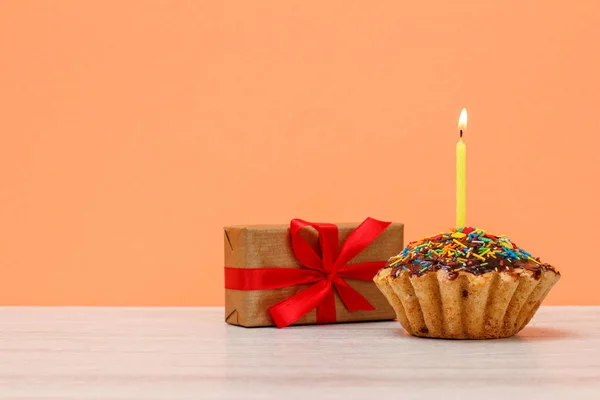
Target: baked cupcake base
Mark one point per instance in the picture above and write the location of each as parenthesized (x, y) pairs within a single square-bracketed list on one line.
[(487, 306)]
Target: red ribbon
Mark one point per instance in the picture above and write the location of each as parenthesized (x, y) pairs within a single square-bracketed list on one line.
[(326, 272)]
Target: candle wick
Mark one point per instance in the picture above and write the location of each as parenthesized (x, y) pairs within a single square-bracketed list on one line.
[(461, 133)]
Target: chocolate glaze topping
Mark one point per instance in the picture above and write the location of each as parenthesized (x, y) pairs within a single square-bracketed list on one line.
[(465, 249)]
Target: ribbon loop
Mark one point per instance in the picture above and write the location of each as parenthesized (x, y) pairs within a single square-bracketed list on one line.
[(302, 250), (360, 238)]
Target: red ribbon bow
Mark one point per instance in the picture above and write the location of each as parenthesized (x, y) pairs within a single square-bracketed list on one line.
[(326, 272)]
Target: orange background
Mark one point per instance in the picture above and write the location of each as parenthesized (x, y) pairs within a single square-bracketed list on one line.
[(131, 132)]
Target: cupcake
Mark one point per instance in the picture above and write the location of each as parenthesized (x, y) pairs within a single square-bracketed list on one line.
[(465, 284)]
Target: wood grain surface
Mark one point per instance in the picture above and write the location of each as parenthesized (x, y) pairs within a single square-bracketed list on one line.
[(189, 353)]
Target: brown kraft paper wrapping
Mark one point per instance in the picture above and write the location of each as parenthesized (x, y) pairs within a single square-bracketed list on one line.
[(269, 246)]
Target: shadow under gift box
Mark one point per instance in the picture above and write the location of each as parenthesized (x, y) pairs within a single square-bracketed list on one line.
[(269, 246)]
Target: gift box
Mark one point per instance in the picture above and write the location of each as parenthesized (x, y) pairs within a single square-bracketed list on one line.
[(307, 273)]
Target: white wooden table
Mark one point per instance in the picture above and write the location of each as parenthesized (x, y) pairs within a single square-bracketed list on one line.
[(189, 353)]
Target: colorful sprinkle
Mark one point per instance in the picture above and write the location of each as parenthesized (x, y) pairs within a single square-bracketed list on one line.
[(473, 249), (459, 243)]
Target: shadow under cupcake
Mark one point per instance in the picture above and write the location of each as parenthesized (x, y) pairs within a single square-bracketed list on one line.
[(465, 284)]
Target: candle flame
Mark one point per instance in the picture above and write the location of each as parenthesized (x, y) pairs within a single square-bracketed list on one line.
[(462, 120)]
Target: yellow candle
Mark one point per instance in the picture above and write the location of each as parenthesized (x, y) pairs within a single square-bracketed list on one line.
[(461, 173)]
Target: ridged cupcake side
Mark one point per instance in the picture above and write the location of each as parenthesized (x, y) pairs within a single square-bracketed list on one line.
[(462, 305)]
